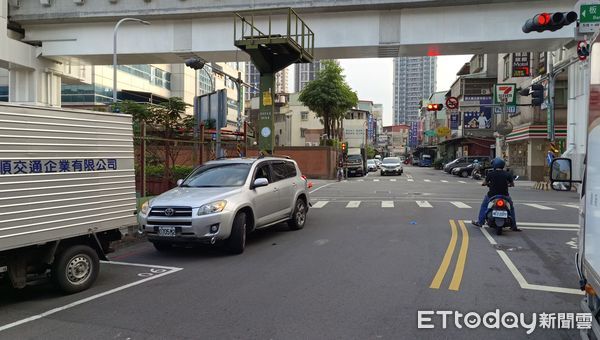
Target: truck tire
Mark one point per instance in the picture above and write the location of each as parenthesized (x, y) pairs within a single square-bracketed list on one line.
[(298, 219), (236, 243), (75, 269)]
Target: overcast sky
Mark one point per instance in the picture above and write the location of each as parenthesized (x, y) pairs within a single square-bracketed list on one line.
[(373, 78)]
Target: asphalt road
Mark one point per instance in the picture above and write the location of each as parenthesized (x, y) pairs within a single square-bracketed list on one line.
[(375, 251)]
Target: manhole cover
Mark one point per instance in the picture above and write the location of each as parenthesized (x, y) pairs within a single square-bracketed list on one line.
[(507, 248)]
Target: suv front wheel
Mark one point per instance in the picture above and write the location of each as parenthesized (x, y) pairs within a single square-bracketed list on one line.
[(299, 216), (236, 243)]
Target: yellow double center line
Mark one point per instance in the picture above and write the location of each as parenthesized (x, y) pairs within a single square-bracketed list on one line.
[(462, 258)]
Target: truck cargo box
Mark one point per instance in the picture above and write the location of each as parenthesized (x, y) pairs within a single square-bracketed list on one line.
[(63, 173)]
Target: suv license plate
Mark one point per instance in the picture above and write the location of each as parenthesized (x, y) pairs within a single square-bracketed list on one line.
[(500, 213), (166, 231)]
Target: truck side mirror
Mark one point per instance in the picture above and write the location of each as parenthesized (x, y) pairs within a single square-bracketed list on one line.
[(561, 174)]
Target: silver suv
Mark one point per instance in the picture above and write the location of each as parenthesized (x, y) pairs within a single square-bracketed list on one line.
[(223, 200)]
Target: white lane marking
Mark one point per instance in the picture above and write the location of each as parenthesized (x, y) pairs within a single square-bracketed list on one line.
[(411, 180), (321, 187), (353, 204), (539, 206), (546, 225), (97, 296), (319, 204), (424, 204), (463, 182), (571, 206), (361, 180), (427, 180), (321, 242), (553, 229), (387, 204), (520, 278), (138, 265), (393, 180), (461, 205), (375, 180), (443, 181)]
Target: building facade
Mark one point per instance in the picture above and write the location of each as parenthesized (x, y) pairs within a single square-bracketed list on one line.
[(305, 73), (414, 80), (252, 77)]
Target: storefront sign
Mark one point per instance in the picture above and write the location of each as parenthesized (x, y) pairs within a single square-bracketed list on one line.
[(478, 118)]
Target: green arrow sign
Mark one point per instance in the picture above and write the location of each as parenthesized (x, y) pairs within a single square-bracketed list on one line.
[(589, 13)]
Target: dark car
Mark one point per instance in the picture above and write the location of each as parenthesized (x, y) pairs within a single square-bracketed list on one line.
[(464, 161), (466, 171)]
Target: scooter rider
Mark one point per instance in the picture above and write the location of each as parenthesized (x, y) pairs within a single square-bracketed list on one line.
[(498, 181)]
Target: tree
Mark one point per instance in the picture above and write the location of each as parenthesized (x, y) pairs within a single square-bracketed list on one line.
[(330, 97), (166, 123)]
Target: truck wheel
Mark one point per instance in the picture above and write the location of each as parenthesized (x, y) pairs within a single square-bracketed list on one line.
[(162, 246), (236, 243), (298, 219), (75, 269)]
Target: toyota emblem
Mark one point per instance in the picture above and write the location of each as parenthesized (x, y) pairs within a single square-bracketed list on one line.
[(169, 212)]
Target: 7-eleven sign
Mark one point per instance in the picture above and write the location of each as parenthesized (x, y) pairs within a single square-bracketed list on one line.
[(505, 93)]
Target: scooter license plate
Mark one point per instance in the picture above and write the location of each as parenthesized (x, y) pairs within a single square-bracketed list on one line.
[(500, 213)]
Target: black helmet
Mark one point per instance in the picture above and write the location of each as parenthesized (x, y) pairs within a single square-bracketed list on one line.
[(498, 163)]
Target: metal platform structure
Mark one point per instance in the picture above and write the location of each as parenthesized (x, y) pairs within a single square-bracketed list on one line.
[(272, 51)]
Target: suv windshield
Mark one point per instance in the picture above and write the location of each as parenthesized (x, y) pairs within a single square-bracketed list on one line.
[(218, 175), (371, 161), (391, 160)]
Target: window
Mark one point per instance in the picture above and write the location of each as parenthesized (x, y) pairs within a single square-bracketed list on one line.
[(304, 115), (507, 68), (302, 132), (263, 171), (279, 171), (290, 170)]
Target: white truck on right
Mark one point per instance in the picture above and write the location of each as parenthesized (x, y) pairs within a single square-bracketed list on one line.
[(563, 178)]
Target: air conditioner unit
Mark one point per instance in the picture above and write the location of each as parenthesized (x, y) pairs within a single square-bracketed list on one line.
[(308, 144), (486, 91), (45, 3)]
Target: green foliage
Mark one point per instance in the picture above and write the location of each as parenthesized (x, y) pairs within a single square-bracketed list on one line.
[(329, 96), (438, 164), (158, 171), (371, 152)]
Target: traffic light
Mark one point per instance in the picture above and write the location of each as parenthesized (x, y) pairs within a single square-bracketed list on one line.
[(195, 63), (536, 91), (434, 107), (583, 50), (344, 148), (549, 21)]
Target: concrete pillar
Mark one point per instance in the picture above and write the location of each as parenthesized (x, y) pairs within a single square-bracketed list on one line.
[(36, 87)]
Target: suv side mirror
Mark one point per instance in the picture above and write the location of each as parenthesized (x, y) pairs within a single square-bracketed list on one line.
[(179, 182), (561, 174), (261, 182)]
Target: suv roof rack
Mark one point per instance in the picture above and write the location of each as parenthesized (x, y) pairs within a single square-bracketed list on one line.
[(273, 156)]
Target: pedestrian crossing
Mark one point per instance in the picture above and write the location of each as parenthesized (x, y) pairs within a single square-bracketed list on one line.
[(356, 204), (406, 179)]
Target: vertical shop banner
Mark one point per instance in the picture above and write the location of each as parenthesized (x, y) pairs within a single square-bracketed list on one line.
[(478, 118), (414, 134), (454, 120)]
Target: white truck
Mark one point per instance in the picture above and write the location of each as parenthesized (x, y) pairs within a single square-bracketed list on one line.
[(67, 186), (588, 256)]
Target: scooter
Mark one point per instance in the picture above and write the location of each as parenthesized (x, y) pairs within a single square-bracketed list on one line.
[(498, 214)]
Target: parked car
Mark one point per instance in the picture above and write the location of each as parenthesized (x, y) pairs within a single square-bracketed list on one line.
[(391, 165), (464, 161), (371, 165), (355, 165), (221, 201), (466, 171)]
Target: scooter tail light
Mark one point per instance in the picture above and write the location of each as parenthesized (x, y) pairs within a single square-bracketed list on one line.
[(500, 203)]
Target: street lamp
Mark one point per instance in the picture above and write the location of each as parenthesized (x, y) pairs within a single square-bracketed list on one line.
[(115, 52)]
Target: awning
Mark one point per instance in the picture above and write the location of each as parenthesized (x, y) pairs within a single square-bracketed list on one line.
[(524, 132)]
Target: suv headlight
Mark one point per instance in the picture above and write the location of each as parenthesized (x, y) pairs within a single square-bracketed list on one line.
[(211, 208), (145, 208)]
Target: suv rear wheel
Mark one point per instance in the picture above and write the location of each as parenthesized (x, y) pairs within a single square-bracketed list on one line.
[(298, 219), (236, 243)]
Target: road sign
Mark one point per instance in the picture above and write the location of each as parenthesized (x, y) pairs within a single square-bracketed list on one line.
[(452, 103), (443, 131), (505, 93), (510, 109), (589, 18)]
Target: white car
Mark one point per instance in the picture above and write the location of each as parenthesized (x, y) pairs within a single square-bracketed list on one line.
[(391, 165)]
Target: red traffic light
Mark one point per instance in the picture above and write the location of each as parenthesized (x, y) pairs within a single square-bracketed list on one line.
[(543, 19), (434, 107), (343, 146)]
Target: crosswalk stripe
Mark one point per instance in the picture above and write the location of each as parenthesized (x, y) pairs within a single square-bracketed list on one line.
[(320, 204), (539, 206), (387, 204), (461, 205), (393, 180), (361, 180), (424, 204), (411, 180), (443, 181), (353, 204), (463, 182), (375, 180), (427, 180), (571, 206)]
